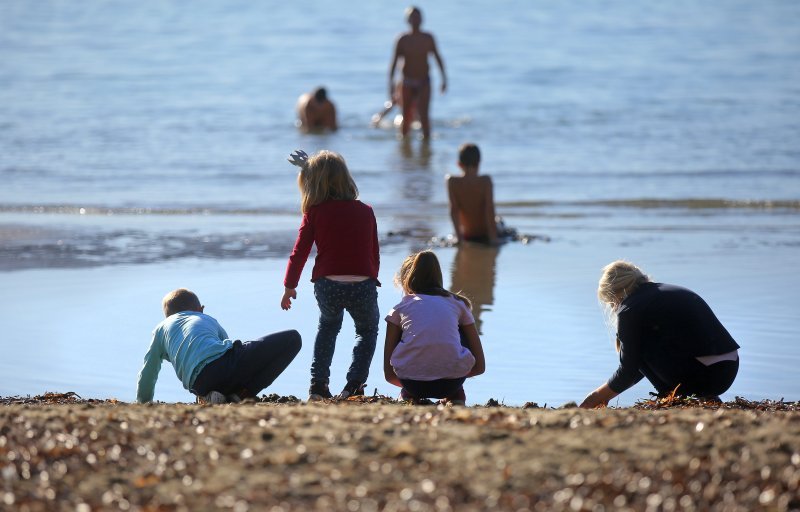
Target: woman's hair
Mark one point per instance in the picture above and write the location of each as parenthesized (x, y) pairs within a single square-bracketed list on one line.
[(620, 278), (421, 273), (324, 177), (180, 300)]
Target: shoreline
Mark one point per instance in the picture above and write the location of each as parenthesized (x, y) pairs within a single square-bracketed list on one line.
[(371, 454)]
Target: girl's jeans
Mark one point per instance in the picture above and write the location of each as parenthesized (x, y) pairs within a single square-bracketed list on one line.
[(361, 302)]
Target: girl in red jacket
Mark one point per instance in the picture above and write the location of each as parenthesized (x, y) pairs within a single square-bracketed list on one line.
[(345, 273)]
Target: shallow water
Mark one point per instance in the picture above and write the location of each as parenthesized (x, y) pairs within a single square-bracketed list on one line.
[(143, 146)]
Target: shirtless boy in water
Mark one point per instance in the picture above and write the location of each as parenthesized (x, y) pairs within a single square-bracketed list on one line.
[(472, 200), (413, 47), (316, 112)]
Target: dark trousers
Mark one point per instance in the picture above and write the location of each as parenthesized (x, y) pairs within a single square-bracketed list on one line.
[(694, 378), (247, 368), (361, 301), (440, 388)]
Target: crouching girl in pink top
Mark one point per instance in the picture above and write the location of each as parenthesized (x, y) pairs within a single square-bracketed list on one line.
[(432, 345)]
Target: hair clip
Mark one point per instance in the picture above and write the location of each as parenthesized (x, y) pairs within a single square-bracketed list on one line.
[(298, 158)]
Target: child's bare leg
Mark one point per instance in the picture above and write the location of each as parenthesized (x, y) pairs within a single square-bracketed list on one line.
[(423, 109), (409, 104)]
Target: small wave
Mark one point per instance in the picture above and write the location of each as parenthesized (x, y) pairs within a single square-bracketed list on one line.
[(675, 204), (30, 247), (656, 173), (72, 209), (789, 205), (24, 249)]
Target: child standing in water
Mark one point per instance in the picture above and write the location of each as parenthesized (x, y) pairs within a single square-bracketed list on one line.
[(413, 49), (345, 273), (432, 345)]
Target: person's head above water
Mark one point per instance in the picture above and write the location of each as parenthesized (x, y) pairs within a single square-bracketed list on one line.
[(320, 94), (619, 279)]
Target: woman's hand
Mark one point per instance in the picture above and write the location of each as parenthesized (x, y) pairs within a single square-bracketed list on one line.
[(286, 300), (599, 397)]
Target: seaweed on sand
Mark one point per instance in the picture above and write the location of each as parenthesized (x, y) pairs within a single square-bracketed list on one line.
[(674, 401), (52, 398)]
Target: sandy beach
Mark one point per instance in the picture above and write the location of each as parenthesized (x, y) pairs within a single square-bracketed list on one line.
[(359, 456), (143, 148)]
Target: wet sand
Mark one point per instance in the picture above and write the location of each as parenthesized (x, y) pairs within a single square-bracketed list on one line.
[(381, 456)]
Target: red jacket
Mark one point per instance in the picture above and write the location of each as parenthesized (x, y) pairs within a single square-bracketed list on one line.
[(346, 235)]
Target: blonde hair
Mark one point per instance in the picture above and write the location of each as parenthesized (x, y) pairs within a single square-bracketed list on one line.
[(619, 279), (325, 177), (180, 300), (421, 273)]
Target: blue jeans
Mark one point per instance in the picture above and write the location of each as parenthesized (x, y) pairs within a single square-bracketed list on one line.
[(361, 302)]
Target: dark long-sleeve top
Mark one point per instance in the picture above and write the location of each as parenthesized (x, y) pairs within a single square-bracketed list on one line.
[(346, 235), (659, 317)]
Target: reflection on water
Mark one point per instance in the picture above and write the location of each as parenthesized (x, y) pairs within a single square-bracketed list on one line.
[(473, 274), (414, 193), (415, 167)]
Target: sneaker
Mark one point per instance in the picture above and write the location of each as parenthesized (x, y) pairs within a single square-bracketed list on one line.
[(448, 401), (319, 391), (352, 388), (213, 397), (405, 396), (457, 398)]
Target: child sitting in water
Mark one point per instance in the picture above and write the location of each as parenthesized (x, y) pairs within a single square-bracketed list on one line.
[(472, 200), (432, 344), (206, 361)]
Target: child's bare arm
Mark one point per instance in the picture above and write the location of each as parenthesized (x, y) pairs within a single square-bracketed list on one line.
[(333, 123), (393, 68), (440, 62), (491, 223), (454, 207), (474, 346), (393, 334)]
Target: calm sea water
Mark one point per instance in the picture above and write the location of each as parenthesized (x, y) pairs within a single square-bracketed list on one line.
[(143, 146)]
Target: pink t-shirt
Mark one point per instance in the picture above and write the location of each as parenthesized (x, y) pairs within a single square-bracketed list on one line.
[(430, 346)]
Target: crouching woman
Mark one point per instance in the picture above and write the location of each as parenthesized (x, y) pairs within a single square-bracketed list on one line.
[(665, 333)]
